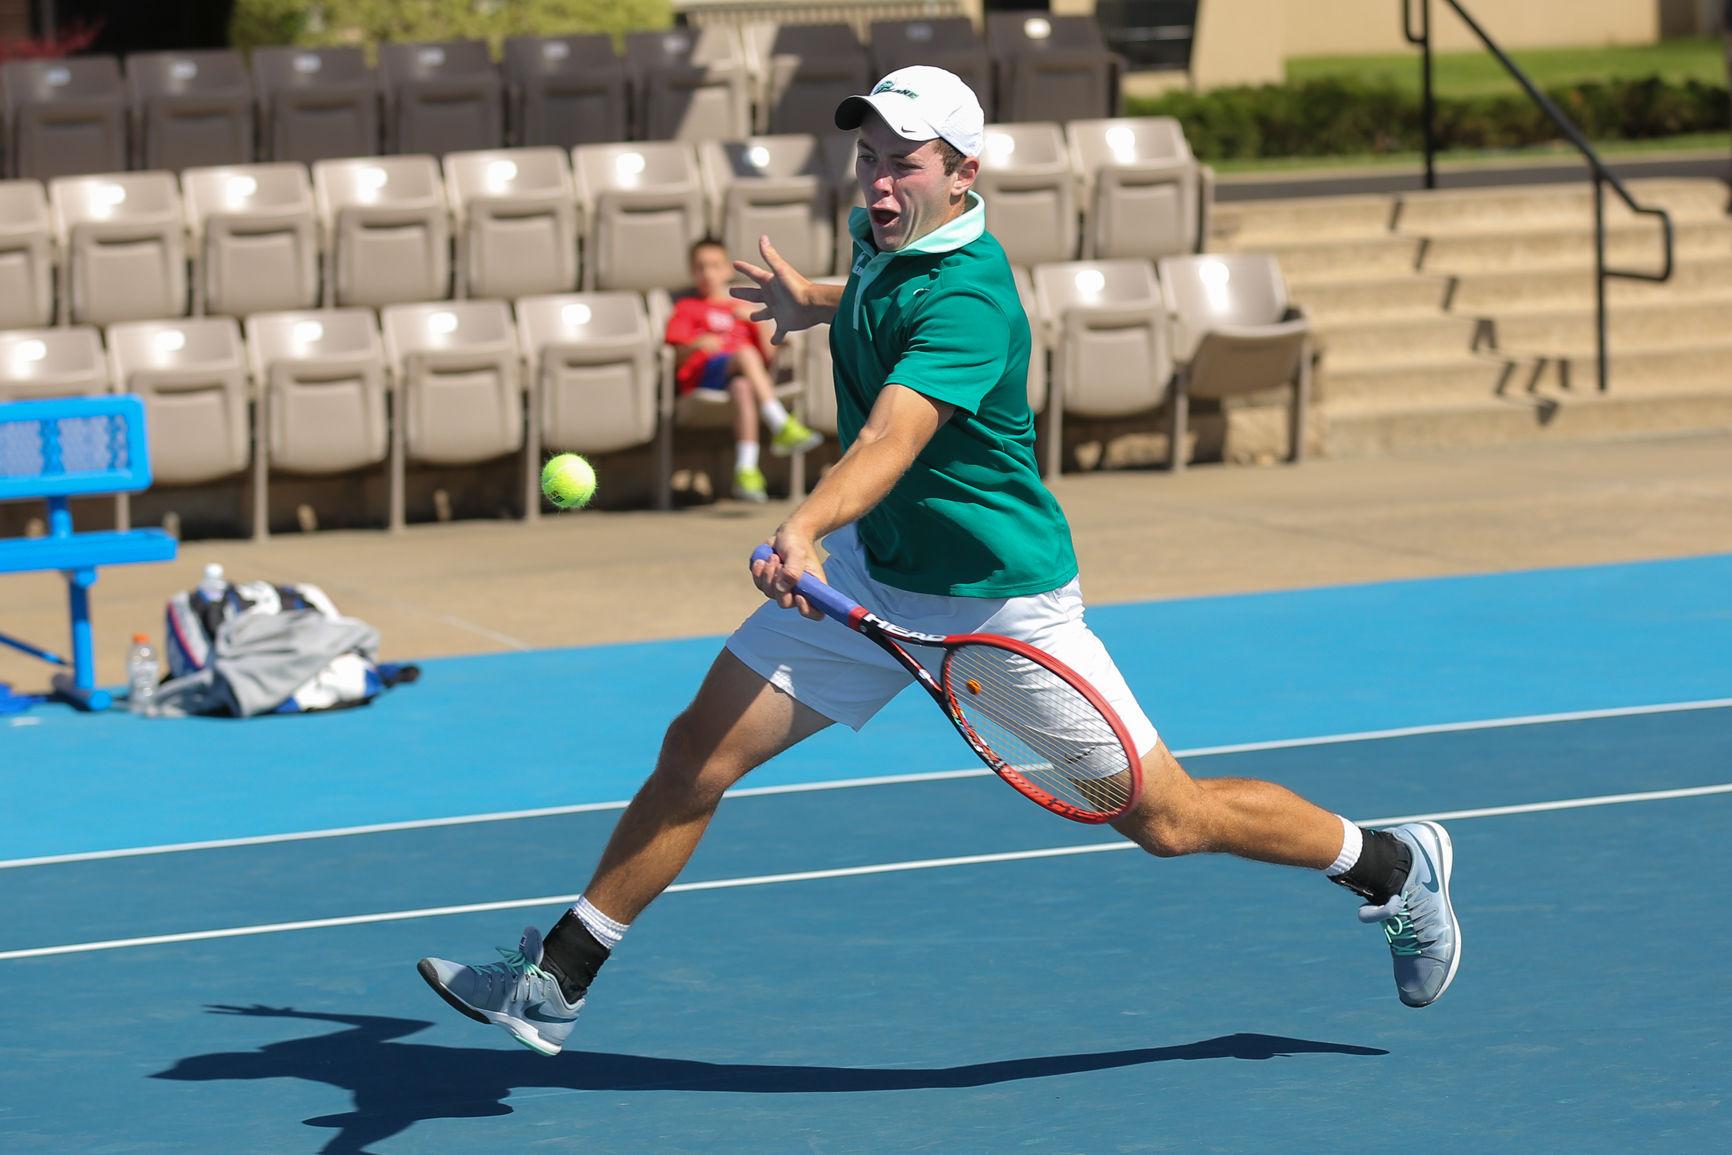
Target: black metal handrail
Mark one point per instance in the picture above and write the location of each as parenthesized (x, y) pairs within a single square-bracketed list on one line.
[(1602, 176)]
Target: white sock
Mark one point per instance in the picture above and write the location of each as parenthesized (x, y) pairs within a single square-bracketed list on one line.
[(745, 455), (775, 416), (606, 931), (1352, 841)]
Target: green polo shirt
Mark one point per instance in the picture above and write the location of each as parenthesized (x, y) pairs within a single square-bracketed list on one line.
[(942, 317)]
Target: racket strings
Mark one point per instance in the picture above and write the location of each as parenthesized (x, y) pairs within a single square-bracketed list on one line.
[(1041, 726)]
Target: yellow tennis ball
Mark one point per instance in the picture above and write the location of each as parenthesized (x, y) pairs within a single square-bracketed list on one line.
[(568, 481)]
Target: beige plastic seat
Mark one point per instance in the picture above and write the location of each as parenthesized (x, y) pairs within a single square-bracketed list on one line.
[(801, 72), (442, 97), (1050, 67), (515, 216), (771, 185), (190, 109), (1234, 334), (193, 377), (315, 103), (1030, 192), (948, 42), (1107, 327), (66, 362), (459, 378), (1037, 342), (63, 117), (689, 84), (707, 410), (1144, 194), (254, 232), (322, 389), (563, 91), (643, 206), (26, 255), (123, 240), (591, 372), (387, 230)]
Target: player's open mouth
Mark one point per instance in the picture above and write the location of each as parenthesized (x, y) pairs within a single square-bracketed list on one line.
[(884, 218)]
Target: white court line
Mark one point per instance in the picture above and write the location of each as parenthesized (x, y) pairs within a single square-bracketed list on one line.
[(813, 875), (850, 783)]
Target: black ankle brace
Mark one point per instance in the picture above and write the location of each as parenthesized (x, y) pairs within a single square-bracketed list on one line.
[(572, 955), (1381, 871)]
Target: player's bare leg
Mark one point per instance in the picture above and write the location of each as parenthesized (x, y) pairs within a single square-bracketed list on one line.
[(737, 721)]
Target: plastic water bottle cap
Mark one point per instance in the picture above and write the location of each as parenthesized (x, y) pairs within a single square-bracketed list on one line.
[(141, 639)]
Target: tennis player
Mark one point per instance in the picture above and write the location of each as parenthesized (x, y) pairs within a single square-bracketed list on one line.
[(936, 518)]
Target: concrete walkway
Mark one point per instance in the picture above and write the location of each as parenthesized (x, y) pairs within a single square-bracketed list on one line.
[(589, 577)]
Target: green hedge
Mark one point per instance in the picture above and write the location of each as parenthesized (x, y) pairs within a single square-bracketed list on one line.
[(368, 22), (1344, 118)]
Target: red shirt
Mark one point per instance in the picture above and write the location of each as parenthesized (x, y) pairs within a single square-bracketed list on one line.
[(694, 316)]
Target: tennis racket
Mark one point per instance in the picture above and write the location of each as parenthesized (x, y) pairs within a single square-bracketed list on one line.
[(1033, 720)]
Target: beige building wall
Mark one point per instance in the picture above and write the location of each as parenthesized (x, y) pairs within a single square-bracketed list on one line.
[(1347, 27)]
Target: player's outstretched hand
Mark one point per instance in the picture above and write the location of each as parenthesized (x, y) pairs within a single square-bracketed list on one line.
[(780, 292), (775, 577)]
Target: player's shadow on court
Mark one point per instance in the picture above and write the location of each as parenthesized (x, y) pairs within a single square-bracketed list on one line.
[(396, 1085)]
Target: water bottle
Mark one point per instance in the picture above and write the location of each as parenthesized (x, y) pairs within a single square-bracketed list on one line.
[(143, 669)]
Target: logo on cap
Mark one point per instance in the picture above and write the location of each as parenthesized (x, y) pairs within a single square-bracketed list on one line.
[(890, 86)]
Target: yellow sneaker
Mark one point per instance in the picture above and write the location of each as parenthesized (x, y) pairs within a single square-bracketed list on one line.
[(749, 485), (794, 437)]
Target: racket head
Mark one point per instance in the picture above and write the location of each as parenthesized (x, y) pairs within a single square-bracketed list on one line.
[(1041, 727)]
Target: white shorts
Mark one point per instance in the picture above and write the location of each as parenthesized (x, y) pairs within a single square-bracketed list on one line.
[(828, 667)]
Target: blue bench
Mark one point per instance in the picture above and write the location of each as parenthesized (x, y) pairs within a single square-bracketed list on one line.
[(60, 449)]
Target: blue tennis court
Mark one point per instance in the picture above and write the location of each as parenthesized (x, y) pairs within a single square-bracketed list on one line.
[(877, 949)]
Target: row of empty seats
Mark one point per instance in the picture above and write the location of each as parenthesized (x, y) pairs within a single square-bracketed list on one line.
[(509, 223), (177, 110), (320, 392)]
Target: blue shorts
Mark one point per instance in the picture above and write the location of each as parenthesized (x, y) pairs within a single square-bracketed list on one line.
[(718, 371)]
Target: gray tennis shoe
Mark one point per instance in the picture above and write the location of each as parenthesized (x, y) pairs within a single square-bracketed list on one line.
[(514, 993), (1420, 924)]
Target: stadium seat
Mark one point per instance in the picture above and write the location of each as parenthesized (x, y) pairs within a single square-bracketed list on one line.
[(1144, 194), (387, 230), (440, 98), (563, 91), (460, 386), (838, 149), (26, 256), (1037, 367), (321, 386), (689, 84), (1107, 327), (254, 233), (1030, 191), (123, 240), (63, 117), (771, 185), (1234, 333), (515, 216), (592, 371), (64, 362), (1049, 67), (315, 103), (947, 42), (803, 71), (192, 375), (643, 206), (189, 109)]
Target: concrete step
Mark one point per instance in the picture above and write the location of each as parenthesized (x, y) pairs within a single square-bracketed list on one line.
[(1497, 290), (1359, 427), (1395, 341), (1488, 210), (1414, 294), (1461, 376), (1631, 325), (1353, 259), (1247, 224), (1660, 369), (1633, 246)]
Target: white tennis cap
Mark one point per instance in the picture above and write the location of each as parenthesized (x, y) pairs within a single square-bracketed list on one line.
[(921, 103)]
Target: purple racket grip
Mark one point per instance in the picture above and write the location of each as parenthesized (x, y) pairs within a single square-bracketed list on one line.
[(832, 603)]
